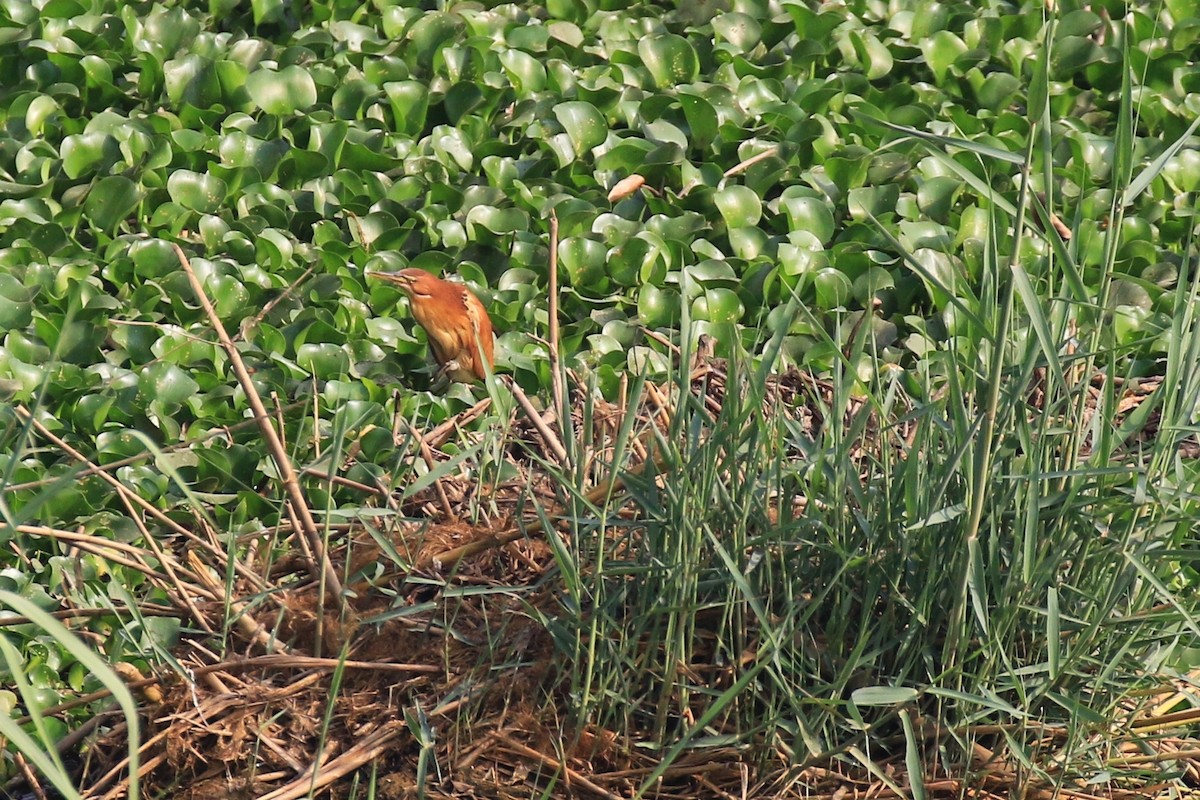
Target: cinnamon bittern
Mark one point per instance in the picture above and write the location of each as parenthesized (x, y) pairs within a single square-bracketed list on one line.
[(455, 322)]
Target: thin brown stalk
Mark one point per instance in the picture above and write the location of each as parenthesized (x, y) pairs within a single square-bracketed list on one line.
[(340, 481), (105, 548), (321, 567), (145, 610), (449, 558), (556, 382), (144, 505), (599, 492), (30, 778), (113, 466), (369, 748), (741, 167), (441, 433), (239, 610), (427, 457), (260, 316), (309, 662), (560, 453), (572, 777), (129, 499)]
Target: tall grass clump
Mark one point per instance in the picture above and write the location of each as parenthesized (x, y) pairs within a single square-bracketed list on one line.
[(993, 551)]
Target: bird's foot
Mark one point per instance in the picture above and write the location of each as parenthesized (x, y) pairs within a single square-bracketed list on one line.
[(443, 376)]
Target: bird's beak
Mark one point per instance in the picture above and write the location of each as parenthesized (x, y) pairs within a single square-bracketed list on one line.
[(403, 281)]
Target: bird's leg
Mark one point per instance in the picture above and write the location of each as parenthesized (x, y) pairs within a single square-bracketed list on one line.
[(441, 378)]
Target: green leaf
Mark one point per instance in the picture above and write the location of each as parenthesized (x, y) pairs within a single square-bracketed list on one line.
[(282, 93), (941, 50), (740, 30), (192, 80), (718, 305), (525, 73), (670, 59), (110, 201), (196, 191), (739, 205), (89, 152), (834, 289), (16, 303), (583, 261), (584, 124), (884, 695), (657, 308), (410, 103), (166, 384), (324, 360), (806, 213), (428, 34)]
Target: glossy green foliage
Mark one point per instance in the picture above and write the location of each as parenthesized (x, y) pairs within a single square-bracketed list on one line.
[(292, 147)]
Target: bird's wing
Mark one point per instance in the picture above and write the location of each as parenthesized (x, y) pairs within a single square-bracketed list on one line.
[(481, 329)]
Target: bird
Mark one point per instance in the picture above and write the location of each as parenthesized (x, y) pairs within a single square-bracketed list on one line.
[(456, 324)]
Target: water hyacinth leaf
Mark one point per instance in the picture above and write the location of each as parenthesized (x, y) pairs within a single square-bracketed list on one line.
[(16, 303), (33, 209), (323, 359), (657, 308), (936, 196), (997, 90), (428, 34), (282, 93), (738, 29), (111, 200), (89, 152), (718, 305), (584, 125), (410, 103), (196, 191), (873, 56), (583, 260), (671, 59), (809, 214), (229, 296), (866, 202), (268, 11), (941, 50), (739, 205), (192, 80), (153, 258), (701, 117), (167, 384), (497, 220), (833, 288), (525, 73)]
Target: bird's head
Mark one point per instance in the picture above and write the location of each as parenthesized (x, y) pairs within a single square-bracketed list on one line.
[(414, 282)]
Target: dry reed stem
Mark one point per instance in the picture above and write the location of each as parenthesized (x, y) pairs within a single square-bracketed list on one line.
[(30, 778), (449, 558), (746, 164), (238, 608), (113, 466), (543, 429), (129, 499), (556, 382), (572, 777), (368, 748), (441, 433), (322, 567), (438, 486), (260, 316)]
